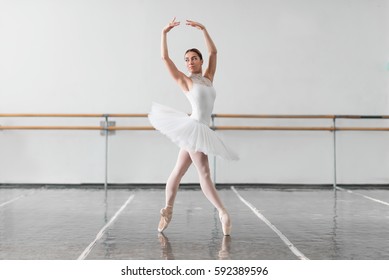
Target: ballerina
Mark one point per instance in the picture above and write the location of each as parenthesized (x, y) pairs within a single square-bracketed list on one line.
[(192, 133)]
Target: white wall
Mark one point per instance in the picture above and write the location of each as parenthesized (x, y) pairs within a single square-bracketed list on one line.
[(275, 57), (387, 53)]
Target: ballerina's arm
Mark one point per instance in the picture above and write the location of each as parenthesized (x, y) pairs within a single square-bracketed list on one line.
[(212, 51), (182, 80)]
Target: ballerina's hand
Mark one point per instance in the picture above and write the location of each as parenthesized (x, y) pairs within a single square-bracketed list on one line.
[(195, 24), (171, 25)]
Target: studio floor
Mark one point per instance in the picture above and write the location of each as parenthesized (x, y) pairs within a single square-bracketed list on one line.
[(121, 224)]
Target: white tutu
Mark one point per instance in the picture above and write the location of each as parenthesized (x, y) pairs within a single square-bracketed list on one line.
[(188, 133)]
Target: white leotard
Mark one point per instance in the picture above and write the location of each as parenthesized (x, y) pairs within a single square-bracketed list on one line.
[(192, 133), (201, 97)]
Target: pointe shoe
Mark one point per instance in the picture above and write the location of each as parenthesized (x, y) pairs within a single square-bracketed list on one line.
[(226, 222), (166, 217)]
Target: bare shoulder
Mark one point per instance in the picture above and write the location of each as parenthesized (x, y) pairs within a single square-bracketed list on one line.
[(208, 76), (185, 83)]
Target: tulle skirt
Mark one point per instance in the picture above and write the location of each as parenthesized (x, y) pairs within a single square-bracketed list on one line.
[(188, 133)]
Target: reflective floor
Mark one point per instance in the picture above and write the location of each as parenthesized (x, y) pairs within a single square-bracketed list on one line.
[(270, 224)]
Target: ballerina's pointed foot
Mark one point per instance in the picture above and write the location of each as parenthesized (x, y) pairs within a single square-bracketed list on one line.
[(226, 222), (166, 217)]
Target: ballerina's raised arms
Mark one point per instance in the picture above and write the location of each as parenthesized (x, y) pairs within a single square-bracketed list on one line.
[(193, 57)]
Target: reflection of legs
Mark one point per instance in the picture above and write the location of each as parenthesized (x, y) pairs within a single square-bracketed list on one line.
[(166, 248), (173, 182), (200, 160)]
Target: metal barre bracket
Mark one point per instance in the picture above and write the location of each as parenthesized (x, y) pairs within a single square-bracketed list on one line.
[(105, 125)]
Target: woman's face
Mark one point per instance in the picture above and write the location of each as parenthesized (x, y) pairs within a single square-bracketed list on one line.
[(193, 62)]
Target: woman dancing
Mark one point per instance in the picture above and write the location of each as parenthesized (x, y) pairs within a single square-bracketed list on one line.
[(192, 134)]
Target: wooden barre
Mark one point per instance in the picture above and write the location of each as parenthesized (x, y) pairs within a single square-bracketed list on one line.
[(300, 116), (301, 128), (247, 116), (51, 128), (273, 128), (131, 128), (248, 128), (250, 116), (362, 117), (73, 115), (75, 128), (128, 115), (52, 115), (362, 128)]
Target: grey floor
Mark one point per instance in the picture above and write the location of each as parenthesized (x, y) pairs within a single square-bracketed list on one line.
[(270, 224)]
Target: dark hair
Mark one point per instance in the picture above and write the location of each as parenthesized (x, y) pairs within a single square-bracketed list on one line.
[(196, 51)]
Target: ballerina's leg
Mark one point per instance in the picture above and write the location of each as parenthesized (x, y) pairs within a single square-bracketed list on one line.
[(173, 182), (200, 160)]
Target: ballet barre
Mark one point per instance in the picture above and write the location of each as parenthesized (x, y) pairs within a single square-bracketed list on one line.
[(213, 126), (142, 115), (248, 128), (72, 115), (301, 116), (100, 128), (106, 127), (301, 128)]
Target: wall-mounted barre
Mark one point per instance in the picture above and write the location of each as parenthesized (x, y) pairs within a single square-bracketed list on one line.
[(246, 116), (30, 115), (142, 115), (258, 128), (106, 127)]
